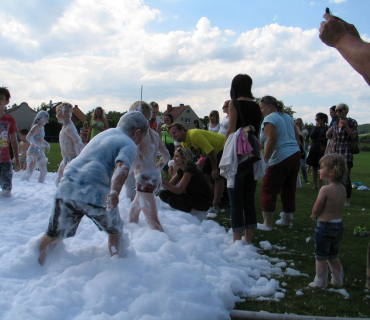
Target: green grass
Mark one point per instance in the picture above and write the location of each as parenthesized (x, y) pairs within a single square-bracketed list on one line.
[(352, 254), (54, 157), (352, 251)]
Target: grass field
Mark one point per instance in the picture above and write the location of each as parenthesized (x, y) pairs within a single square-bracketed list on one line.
[(300, 253)]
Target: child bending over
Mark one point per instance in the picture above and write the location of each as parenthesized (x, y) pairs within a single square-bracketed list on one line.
[(148, 172), (69, 140), (327, 211), (23, 147)]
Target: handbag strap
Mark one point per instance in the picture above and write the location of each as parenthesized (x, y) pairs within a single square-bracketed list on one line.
[(240, 115)]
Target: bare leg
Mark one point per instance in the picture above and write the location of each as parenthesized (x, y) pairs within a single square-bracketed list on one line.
[(219, 190), (116, 245), (267, 220), (59, 174), (237, 235), (134, 210), (321, 278), (43, 169), (336, 272), (149, 207), (47, 245), (249, 234), (314, 176), (31, 165)]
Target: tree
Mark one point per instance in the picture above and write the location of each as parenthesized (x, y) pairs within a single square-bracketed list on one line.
[(114, 117), (205, 120)]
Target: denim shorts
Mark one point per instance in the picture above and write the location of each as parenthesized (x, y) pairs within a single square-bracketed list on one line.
[(327, 238)]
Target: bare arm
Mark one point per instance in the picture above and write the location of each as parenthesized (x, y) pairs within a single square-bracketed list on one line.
[(165, 155), (343, 36), (329, 133), (271, 135), (118, 179), (233, 117), (14, 142), (297, 135), (180, 189), (319, 204), (72, 133)]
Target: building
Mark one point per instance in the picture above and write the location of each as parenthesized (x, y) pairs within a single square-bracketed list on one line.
[(184, 114), (23, 115)]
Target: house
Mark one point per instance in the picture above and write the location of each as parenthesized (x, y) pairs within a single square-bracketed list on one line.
[(23, 115), (184, 114)]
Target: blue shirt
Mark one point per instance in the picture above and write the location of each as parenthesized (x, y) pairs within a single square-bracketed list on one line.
[(286, 144), (87, 178)]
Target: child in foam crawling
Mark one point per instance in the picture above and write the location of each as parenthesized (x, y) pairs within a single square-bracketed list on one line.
[(148, 172), (327, 211), (23, 147), (69, 140), (36, 152)]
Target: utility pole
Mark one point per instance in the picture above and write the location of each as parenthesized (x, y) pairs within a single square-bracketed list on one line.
[(141, 97)]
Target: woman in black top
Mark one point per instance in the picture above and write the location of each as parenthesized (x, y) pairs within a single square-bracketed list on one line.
[(243, 211), (318, 146), (192, 191)]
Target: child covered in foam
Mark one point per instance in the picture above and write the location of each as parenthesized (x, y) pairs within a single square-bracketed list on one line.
[(148, 172), (91, 185), (69, 140), (36, 152), (327, 211)]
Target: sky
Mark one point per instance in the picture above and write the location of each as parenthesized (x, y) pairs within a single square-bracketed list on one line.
[(99, 53)]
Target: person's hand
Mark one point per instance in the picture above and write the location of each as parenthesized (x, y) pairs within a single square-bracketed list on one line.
[(313, 217), (111, 200), (215, 174), (17, 166), (334, 28), (47, 147), (343, 123)]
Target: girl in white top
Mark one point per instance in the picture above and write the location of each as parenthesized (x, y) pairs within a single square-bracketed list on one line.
[(214, 121), (225, 121)]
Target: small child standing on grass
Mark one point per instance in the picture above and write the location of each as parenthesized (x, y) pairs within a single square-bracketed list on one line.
[(327, 211), (23, 147)]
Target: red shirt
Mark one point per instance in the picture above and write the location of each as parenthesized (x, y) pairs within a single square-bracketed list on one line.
[(7, 127)]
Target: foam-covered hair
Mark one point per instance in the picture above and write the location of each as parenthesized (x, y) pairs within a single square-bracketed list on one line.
[(133, 120), (41, 114), (66, 107), (143, 107)]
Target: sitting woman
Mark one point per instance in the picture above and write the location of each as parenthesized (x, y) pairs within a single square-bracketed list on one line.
[(192, 191)]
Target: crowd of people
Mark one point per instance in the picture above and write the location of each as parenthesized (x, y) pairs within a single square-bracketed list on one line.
[(97, 162)]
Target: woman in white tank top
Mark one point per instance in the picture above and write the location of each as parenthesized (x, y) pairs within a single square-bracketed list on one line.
[(214, 121)]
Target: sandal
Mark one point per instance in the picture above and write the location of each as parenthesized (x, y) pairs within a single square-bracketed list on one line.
[(357, 230), (364, 232)]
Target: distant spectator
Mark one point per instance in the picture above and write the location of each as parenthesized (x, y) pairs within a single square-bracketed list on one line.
[(225, 121), (155, 122), (214, 121), (302, 137), (98, 123)]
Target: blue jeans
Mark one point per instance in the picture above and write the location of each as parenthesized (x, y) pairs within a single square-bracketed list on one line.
[(243, 210), (304, 170), (327, 238)]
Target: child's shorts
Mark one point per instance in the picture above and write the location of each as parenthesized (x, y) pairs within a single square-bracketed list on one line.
[(23, 159), (327, 238), (6, 175), (147, 184), (67, 215)]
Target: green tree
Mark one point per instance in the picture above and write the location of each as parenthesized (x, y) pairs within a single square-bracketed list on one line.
[(114, 117)]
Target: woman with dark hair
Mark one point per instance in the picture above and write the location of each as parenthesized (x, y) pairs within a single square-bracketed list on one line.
[(214, 121), (243, 211), (343, 131), (196, 124), (98, 123), (280, 137), (334, 118), (188, 188), (167, 139), (317, 150)]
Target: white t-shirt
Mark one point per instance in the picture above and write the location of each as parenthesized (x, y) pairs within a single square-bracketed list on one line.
[(87, 178), (224, 124), (215, 129)]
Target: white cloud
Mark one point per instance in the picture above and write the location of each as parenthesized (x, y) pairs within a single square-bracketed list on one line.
[(337, 1), (100, 53)]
